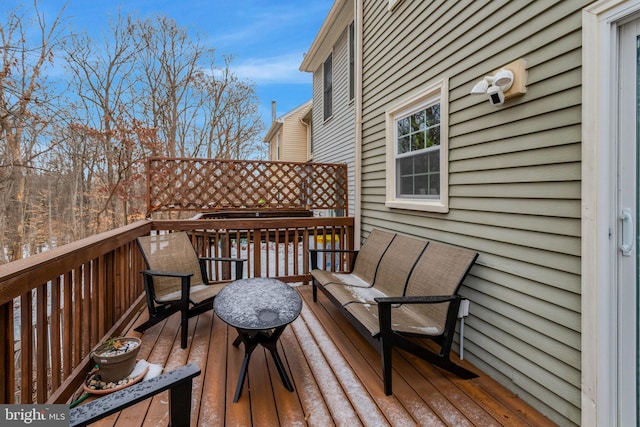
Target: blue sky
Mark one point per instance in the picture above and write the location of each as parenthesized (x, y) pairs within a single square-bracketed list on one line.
[(267, 38)]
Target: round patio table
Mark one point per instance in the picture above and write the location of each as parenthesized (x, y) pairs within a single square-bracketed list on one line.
[(259, 309)]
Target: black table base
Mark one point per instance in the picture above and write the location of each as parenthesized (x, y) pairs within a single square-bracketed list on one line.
[(269, 340)]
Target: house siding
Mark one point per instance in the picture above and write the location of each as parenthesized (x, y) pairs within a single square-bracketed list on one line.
[(334, 139), (514, 176), (294, 137)]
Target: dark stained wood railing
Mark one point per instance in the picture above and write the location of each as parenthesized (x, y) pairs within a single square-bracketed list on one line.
[(205, 185), (274, 247), (66, 301)]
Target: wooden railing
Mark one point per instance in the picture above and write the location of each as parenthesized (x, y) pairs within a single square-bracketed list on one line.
[(64, 302)]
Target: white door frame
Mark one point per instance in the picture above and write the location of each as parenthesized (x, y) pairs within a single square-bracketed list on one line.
[(599, 251)]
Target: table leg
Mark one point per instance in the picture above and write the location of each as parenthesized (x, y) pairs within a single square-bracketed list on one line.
[(251, 339), (272, 346), (250, 343), (237, 341), (283, 373)]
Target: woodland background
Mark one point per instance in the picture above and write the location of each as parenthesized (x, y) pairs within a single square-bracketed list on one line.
[(79, 115)]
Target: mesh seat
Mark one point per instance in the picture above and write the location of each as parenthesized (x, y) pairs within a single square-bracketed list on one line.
[(176, 279), (365, 266)]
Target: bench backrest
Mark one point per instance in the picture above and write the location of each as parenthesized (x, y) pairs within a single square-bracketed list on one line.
[(371, 253), (440, 271), (397, 263)]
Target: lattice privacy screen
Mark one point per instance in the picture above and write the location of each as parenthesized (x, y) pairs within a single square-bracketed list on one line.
[(210, 184)]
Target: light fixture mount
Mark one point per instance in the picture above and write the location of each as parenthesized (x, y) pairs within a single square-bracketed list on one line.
[(504, 83)]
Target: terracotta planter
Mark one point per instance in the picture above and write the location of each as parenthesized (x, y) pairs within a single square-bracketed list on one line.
[(116, 364)]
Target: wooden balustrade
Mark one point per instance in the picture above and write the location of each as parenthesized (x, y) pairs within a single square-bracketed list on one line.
[(66, 301), (63, 302)]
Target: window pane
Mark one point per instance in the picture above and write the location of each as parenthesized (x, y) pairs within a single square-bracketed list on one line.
[(434, 161), (405, 166), (417, 121), (433, 115), (406, 186), (327, 72), (434, 185), (422, 185), (418, 141), (352, 56), (421, 163), (403, 145), (433, 136), (328, 87), (403, 127)]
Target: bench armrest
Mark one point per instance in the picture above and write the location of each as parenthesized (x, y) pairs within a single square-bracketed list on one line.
[(178, 382), (431, 299), (313, 255), (385, 303)]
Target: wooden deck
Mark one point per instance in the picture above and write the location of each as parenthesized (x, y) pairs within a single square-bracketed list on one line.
[(336, 375)]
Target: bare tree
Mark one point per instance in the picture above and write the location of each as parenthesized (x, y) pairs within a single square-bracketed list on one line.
[(104, 78), (24, 114), (199, 108), (230, 120), (71, 158), (170, 61)]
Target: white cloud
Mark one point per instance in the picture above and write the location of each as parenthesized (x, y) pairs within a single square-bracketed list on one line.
[(277, 69)]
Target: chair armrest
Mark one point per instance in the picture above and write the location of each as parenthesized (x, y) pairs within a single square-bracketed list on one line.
[(222, 259), (179, 382), (165, 273), (430, 299), (238, 261)]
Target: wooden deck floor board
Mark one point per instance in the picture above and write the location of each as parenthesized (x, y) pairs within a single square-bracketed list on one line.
[(313, 405), (344, 343), (336, 374), (213, 396), (239, 413), (290, 411), (406, 395)]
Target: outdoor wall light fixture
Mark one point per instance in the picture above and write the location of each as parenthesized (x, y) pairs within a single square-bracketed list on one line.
[(505, 83), (494, 86)]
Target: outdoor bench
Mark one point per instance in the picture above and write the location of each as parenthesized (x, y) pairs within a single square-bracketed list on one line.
[(400, 288)]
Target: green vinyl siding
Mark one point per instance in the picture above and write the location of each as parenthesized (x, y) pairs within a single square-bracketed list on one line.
[(514, 176)]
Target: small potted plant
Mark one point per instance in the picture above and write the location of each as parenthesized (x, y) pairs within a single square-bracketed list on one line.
[(116, 357)]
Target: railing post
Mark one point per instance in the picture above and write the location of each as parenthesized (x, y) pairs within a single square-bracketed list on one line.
[(7, 386)]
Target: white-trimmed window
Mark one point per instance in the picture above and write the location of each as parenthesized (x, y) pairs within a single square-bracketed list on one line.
[(327, 87), (352, 61), (417, 151)]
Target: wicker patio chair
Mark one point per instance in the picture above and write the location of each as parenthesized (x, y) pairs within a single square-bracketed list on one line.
[(177, 280)]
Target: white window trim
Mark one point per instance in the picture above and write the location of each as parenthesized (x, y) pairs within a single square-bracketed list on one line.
[(438, 89)]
